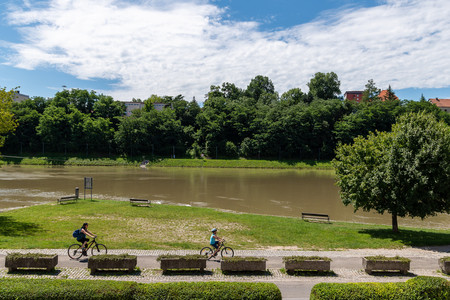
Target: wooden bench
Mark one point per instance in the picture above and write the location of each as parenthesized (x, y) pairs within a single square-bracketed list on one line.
[(67, 199), (140, 202), (322, 217)]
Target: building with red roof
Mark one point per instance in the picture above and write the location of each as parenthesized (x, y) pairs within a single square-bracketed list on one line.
[(443, 104), (384, 95)]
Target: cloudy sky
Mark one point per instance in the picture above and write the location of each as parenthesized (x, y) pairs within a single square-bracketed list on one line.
[(132, 49)]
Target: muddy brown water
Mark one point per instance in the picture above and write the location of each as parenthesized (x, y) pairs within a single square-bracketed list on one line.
[(270, 192)]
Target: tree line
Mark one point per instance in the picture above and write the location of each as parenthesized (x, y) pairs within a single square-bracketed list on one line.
[(251, 122)]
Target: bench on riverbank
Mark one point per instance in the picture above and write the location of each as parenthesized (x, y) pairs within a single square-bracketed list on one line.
[(67, 199), (140, 202), (319, 217)]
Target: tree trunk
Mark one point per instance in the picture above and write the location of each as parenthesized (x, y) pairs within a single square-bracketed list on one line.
[(394, 223)]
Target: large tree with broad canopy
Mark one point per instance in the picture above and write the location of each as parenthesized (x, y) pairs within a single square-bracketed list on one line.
[(404, 172)]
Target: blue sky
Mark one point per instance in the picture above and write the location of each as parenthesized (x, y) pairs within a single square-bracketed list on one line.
[(133, 49)]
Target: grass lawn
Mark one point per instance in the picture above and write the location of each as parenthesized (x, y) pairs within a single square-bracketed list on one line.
[(122, 226), (168, 162)]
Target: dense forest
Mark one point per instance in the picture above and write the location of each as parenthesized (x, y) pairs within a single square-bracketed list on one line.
[(255, 122)]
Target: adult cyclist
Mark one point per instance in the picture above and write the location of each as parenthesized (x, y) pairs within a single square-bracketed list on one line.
[(82, 237)]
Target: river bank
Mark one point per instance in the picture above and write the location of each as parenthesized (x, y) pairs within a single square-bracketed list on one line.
[(165, 162), (122, 226)]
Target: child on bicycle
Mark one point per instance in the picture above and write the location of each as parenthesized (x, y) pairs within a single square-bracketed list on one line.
[(82, 237), (215, 241)]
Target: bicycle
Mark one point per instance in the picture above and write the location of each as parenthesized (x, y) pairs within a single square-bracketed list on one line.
[(75, 251), (224, 251)]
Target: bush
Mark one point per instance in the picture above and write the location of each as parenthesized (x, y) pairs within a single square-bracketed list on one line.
[(243, 258), (185, 257), (303, 258), (417, 288), (15, 255), (49, 289), (209, 290), (112, 257), (385, 258)]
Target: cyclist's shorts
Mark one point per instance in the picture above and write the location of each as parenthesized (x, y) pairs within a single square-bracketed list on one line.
[(215, 245), (82, 240)]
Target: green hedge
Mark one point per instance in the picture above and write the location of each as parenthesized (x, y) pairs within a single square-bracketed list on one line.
[(49, 289), (20, 288), (417, 288), (209, 290)]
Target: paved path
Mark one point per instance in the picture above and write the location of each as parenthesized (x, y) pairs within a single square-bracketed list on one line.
[(346, 265)]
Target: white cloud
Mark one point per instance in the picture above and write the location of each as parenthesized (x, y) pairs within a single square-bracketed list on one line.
[(170, 48)]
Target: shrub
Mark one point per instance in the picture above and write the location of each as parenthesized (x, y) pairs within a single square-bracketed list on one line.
[(417, 288), (209, 290), (185, 257), (303, 258), (112, 257), (242, 258), (49, 289), (384, 258), (444, 259), (15, 255)]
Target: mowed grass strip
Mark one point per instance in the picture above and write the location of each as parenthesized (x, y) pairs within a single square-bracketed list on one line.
[(122, 226), (169, 162)]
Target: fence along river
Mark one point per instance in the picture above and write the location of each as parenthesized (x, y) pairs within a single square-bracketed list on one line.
[(260, 191)]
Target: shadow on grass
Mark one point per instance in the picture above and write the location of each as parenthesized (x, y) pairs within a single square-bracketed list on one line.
[(187, 272), (411, 238), (54, 272), (106, 273), (312, 273), (247, 273), (391, 274), (11, 227)]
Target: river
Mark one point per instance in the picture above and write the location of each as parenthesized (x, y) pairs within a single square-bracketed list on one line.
[(260, 191)]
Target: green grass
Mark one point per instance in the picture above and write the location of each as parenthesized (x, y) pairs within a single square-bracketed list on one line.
[(166, 162), (242, 163), (122, 226)]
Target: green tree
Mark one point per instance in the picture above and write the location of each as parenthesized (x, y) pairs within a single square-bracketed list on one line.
[(371, 92), (55, 127), (7, 122), (227, 90), (404, 172), (107, 108), (259, 86), (367, 117), (27, 113), (294, 96), (324, 86), (81, 99)]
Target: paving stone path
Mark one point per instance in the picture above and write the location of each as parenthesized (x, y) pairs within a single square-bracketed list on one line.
[(346, 266)]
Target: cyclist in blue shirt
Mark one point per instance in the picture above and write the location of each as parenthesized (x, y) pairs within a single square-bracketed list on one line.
[(215, 241)]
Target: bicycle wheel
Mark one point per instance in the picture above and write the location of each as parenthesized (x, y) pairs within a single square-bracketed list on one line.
[(98, 249), (74, 251), (206, 251), (227, 252)]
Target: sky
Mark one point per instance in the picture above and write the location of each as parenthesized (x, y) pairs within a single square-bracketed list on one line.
[(133, 49)]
